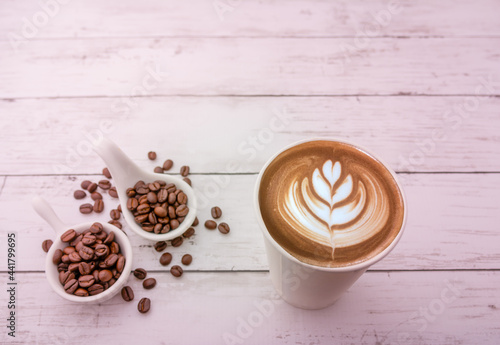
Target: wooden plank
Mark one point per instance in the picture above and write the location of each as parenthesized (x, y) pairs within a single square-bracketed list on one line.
[(47, 136), (299, 18), (274, 66), (236, 308), (452, 223)]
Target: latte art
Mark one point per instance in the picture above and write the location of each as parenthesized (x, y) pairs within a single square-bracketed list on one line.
[(333, 209), (330, 204)]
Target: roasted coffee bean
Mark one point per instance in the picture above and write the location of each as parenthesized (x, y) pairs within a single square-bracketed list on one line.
[(95, 289), (96, 227), (148, 227), (120, 264), (105, 275), (185, 170), (112, 192), (158, 170), (167, 165), (68, 235), (127, 293), (160, 211), (79, 245), (144, 305), (216, 212), (92, 187), (132, 204), (96, 196), (81, 292), (75, 257), (115, 214), (176, 270), (140, 273), (165, 229), (86, 208), (210, 224), (177, 242), (130, 192), (89, 239), (196, 221), (111, 259), (152, 198), (84, 268), (119, 208), (79, 194), (85, 253), (170, 188), (109, 238), (224, 228), (115, 223), (68, 250), (74, 267), (149, 283), (85, 184), (165, 259), (182, 211), (143, 199), (141, 218), (65, 276), (106, 172), (86, 280), (172, 198), (160, 246), (143, 208), (65, 258), (152, 218), (187, 180), (162, 195), (114, 248), (101, 236), (152, 155), (158, 228), (189, 232), (171, 212), (101, 250), (104, 184), (142, 190), (71, 286), (75, 241), (187, 259), (46, 245), (98, 206), (174, 224), (182, 198)]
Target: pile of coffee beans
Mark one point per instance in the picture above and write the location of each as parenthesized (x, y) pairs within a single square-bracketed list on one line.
[(90, 263), (157, 207)]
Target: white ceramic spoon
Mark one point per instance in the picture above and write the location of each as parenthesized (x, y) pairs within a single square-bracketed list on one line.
[(125, 174), (43, 208)]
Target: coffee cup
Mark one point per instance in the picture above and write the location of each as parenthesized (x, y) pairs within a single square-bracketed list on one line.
[(328, 210)]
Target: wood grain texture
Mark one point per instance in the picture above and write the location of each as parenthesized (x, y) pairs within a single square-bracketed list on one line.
[(290, 66), (453, 223), (239, 134), (298, 18), (208, 308)]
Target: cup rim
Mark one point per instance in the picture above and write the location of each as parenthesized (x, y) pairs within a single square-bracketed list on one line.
[(55, 284), (350, 268)]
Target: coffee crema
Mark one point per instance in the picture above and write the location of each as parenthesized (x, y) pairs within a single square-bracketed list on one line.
[(330, 204)]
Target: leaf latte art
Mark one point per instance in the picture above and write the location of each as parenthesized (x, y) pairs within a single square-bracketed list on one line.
[(336, 211), (330, 204)]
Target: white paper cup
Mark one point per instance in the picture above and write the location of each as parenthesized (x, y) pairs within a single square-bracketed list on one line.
[(306, 286)]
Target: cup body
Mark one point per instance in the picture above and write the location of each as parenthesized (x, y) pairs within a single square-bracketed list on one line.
[(303, 285)]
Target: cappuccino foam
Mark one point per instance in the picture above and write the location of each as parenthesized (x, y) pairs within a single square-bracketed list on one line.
[(330, 204)]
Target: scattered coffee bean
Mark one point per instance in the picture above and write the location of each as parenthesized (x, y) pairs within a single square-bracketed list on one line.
[(140, 273), (184, 170), (210, 224), (104, 184), (176, 270), (116, 223), (149, 283), (115, 214), (165, 259), (79, 194), (119, 208), (187, 180), (216, 212), (158, 170), (127, 293), (98, 206), (160, 246), (92, 187), (112, 192), (189, 232), (177, 242), (85, 184), (187, 259), (96, 196), (152, 155), (144, 305), (46, 245), (167, 165), (196, 221), (106, 172), (224, 228), (86, 208)]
